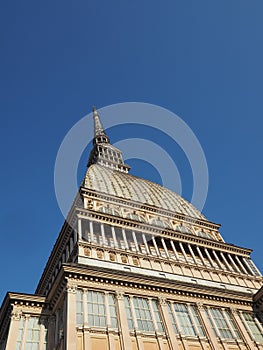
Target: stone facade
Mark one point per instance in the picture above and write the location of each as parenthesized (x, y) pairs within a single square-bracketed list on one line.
[(136, 267)]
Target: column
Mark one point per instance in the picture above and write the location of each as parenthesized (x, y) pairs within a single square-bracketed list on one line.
[(146, 244), (126, 343), (165, 248), (241, 265), (201, 255), (192, 253), (124, 238), (234, 264), (79, 228), (183, 251), (155, 246), (135, 241), (172, 340), (218, 260), (85, 320), (13, 329), (108, 321), (51, 332), (174, 249), (42, 333), (226, 262), (209, 257), (70, 322)]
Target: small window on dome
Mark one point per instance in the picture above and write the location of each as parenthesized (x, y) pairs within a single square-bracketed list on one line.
[(135, 217), (160, 223), (203, 234), (183, 229), (108, 210)]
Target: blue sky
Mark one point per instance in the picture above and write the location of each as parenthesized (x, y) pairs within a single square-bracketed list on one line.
[(200, 59)]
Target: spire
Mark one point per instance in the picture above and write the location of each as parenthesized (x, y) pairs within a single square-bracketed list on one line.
[(99, 133), (103, 152), (98, 128)]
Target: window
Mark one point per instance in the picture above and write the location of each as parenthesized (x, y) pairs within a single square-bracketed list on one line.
[(96, 309), (79, 307), (145, 311), (97, 305), (157, 316), (185, 319), (250, 321), (32, 334), (222, 323), (128, 312), (20, 334), (252, 267), (112, 308)]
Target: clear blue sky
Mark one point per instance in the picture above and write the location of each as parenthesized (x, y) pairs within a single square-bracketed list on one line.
[(200, 59)]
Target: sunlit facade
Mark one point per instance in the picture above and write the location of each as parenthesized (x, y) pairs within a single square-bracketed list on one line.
[(136, 267)]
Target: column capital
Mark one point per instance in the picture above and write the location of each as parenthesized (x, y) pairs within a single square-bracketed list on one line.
[(16, 315), (119, 295), (200, 306), (71, 287), (233, 311), (162, 300)]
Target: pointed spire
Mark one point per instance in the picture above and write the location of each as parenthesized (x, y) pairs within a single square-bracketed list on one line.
[(103, 152), (98, 128)]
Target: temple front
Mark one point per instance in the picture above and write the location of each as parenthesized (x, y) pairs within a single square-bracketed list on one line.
[(136, 267)]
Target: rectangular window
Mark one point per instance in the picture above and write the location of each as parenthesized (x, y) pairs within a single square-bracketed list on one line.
[(20, 334), (220, 321), (128, 312), (172, 318), (32, 334), (157, 316), (96, 309), (184, 321), (79, 307), (196, 319), (112, 308), (143, 314), (254, 328)]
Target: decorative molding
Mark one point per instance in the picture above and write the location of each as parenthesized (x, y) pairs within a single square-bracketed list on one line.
[(16, 315)]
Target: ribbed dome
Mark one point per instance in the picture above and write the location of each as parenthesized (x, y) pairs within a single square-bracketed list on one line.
[(113, 182)]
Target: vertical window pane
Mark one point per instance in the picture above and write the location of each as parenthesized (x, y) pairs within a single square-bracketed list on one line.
[(79, 307), (128, 312), (172, 318), (196, 320), (157, 316), (112, 309), (254, 328)]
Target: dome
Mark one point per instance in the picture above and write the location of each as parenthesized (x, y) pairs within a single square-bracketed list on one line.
[(123, 185)]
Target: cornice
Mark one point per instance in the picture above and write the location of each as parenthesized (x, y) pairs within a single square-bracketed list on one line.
[(146, 283)]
